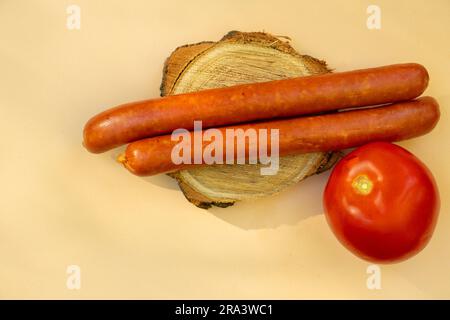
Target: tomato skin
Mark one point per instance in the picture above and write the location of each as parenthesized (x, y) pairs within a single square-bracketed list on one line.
[(382, 203)]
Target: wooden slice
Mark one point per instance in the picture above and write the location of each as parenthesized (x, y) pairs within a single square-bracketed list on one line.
[(236, 59)]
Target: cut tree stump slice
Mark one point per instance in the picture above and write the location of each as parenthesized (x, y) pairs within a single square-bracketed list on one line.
[(236, 59)]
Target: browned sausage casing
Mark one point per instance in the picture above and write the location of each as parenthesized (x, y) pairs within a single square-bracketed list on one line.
[(335, 131), (244, 103)]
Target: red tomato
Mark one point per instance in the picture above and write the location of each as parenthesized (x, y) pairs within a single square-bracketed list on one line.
[(382, 203)]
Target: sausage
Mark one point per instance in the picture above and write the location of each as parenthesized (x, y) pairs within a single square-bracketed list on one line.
[(257, 101), (326, 132)]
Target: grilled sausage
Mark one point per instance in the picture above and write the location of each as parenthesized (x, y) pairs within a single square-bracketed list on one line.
[(257, 101), (327, 132)]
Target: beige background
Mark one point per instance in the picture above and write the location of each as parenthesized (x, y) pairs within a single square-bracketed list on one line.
[(138, 237)]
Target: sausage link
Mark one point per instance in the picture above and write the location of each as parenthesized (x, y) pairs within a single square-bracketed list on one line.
[(327, 132), (257, 101)]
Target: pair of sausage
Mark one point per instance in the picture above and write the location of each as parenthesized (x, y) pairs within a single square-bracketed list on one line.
[(152, 120)]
